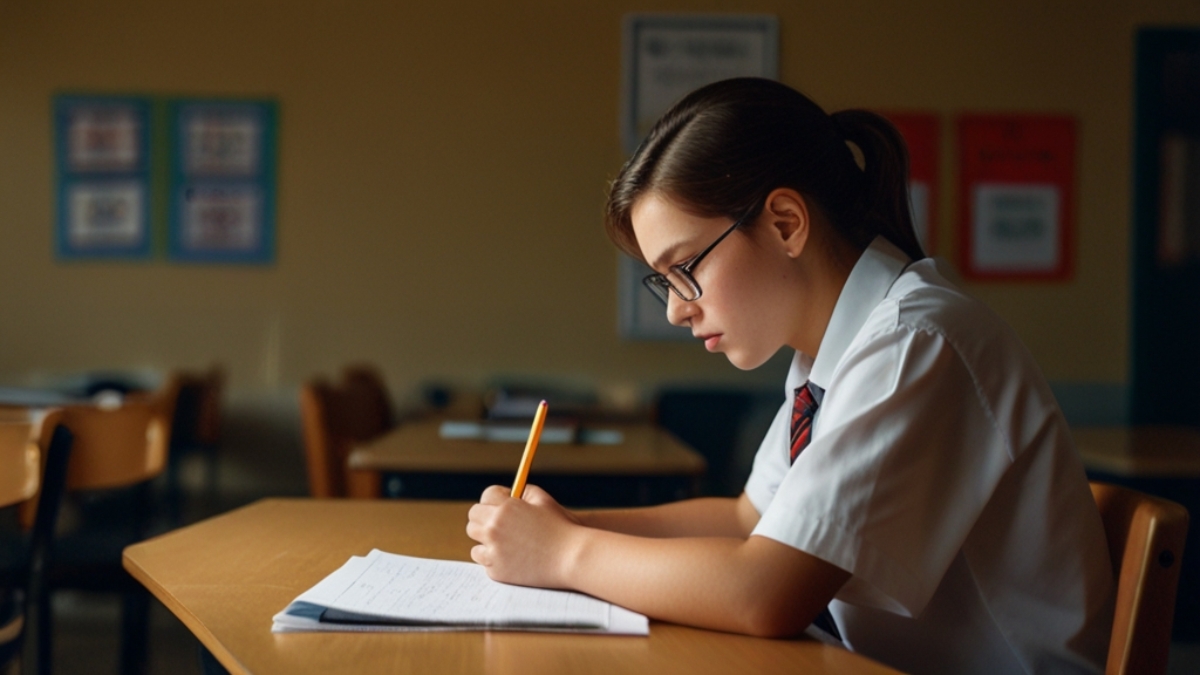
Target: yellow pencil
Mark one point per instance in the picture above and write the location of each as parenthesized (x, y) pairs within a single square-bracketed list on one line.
[(535, 433)]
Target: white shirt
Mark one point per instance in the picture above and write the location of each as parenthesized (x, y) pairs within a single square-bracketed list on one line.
[(942, 476)]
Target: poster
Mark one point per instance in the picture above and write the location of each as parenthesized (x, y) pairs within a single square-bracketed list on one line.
[(666, 56), (1017, 196), (102, 146), (922, 134), (223, 181)]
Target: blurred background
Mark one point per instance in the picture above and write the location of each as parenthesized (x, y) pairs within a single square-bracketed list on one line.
[(441, 174)]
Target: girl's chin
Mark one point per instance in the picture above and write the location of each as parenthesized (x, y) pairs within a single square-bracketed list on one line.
[(746, 361)]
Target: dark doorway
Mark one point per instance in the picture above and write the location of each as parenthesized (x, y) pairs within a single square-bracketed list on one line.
[(1165, 372)]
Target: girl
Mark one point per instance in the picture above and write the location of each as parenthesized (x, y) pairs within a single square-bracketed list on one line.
[(919, 479)]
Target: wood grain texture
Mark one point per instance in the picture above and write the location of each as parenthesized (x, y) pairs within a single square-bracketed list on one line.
[(226, 577)]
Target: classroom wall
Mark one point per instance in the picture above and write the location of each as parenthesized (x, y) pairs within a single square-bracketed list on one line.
[(443, 167)]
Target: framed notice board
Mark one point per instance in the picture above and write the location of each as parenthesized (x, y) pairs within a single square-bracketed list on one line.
[(222, 188), (102, 166)]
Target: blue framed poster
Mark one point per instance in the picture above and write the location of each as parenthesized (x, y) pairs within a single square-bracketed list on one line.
[(222, 191), (102, 161)]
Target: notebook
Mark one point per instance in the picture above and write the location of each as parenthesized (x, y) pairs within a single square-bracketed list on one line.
[(388, 592)]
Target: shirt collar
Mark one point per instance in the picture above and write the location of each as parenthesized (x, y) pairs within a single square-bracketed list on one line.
[(873, 275)]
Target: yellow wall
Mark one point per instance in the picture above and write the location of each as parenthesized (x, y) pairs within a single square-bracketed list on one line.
[(443, 165)]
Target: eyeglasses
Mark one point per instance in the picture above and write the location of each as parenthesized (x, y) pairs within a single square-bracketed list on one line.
[(679, 277)]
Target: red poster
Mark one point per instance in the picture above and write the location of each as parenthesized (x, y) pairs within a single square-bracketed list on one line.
[(1016, 196), (922, 133)]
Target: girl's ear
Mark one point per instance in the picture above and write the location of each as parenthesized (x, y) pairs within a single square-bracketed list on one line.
[(790, 220)]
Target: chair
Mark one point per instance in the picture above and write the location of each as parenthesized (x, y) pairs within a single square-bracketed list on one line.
[(31, 475), (369, 408), (1145, 543), (117, 452), (335, 418), (195, 428)]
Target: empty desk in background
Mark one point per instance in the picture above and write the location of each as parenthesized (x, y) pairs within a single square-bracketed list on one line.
[(225, 577), (647, 466), (1162, 461)]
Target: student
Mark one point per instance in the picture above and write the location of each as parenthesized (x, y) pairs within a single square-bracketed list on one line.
[(919, 479)]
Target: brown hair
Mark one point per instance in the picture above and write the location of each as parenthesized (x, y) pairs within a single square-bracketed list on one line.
[(723, 148)]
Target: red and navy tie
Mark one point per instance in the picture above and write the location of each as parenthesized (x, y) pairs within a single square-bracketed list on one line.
[(803, 409)]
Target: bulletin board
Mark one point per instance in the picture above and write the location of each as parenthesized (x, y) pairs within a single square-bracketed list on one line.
[(222, 190), (666, 56), (102, 162), (1017, 196)]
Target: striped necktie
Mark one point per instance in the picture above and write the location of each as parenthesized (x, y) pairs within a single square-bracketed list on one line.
[(803, 410)]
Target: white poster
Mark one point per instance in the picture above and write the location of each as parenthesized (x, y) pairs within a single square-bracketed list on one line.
[(221, 142), (666, 57), (669, 55), (105, 215), (1017, 227), (103, 137), (222, 219)]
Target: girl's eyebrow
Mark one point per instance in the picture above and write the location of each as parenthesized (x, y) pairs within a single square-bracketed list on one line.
[(669, 254)]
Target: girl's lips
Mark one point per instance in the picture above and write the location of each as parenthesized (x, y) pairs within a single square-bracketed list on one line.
[(710, 342)]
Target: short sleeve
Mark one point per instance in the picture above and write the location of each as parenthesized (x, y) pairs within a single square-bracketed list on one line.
[(903, 459), (771, 463)]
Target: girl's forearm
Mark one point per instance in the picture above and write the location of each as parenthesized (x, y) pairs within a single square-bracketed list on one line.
[(706, 517), (755, 586)]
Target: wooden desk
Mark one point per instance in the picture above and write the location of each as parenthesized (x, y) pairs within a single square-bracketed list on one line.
[(648, 466), (1165, 462), (226, 577), (1141, 452)]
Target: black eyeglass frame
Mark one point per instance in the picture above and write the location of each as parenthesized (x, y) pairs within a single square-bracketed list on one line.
[(659, 285)]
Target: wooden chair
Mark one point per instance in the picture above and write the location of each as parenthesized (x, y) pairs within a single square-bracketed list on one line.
[(335, 419), (195, 429), (32, 474), (1145, 543), (368, 406), (117, 452)]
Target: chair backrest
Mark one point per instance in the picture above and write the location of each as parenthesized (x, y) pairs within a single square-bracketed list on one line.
[(366, 408), (335, 419), (1145, 544), (197, 410), (325, 460), (208, 421), (117, 447), (20, 463)]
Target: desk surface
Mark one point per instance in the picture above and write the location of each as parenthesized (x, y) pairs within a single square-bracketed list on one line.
[(1140, 451), (646, 450), (227, 576)]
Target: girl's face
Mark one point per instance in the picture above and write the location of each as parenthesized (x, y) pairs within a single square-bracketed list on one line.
[(747, 309)]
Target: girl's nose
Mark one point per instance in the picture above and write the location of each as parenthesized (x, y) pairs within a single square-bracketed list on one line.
[(680, 312)]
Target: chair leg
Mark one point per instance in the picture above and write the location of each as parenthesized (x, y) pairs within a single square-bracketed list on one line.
[(135, 630), (44, 633)]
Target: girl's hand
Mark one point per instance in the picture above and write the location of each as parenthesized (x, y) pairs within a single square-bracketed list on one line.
[(522, 541)]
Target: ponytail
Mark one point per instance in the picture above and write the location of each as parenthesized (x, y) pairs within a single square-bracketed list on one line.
[(885, 206), (725, 146)]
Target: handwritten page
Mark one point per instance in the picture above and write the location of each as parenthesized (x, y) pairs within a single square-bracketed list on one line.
[(389, 591)]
